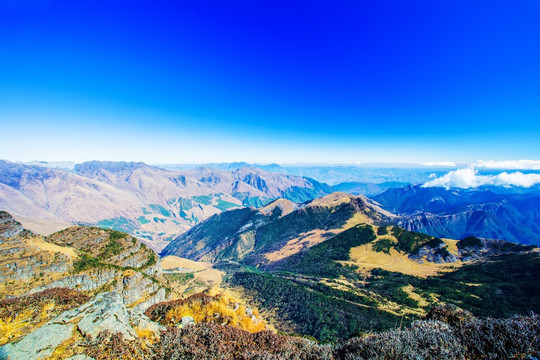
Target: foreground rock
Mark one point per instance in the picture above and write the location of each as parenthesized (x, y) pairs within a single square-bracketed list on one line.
[(105, 313)]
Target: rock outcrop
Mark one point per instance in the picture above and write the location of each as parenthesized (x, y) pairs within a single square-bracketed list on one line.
[(105, 313), (8, 226), (82, 258)]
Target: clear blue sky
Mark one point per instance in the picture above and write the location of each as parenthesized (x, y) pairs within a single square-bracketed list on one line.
[(310, 81)]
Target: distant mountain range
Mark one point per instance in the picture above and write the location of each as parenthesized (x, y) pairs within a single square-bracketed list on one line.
[(492, 212), (157, 204), (151, 203), (337, 174)]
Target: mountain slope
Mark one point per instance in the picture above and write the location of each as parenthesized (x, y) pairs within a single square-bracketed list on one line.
[(275, 231), (340, 252), (459, 213), (152, 203), (85, 258)]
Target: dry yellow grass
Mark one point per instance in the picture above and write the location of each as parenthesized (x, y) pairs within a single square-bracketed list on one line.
[(211, 276), (46, 246), (173, 262), (367, 259), (409, 289), (204, 275), (332, 200), (296, 245), (286, 207), (23, 323), (223, 308), (451, 245)]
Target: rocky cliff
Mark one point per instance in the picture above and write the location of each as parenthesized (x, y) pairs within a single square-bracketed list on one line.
[(83, 258)]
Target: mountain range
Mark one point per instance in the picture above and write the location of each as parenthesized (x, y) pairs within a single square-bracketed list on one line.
[(157, 204), (337, 174), (341, 252), (152, 203), (490, 212), (332, 269)]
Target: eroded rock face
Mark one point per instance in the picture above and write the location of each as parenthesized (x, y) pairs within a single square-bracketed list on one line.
[(8, 226), (81, 258), (141, 321), (106, 312)]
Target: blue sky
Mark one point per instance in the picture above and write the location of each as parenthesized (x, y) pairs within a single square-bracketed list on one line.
[(292, 81)]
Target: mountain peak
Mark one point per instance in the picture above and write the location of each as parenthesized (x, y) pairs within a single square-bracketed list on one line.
[(284, 205)]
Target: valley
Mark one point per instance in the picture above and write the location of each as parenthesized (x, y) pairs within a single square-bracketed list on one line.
[(327, 270), (151, 203)]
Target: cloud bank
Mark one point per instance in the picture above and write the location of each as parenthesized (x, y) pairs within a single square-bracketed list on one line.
[(509, 164), (469, 178)]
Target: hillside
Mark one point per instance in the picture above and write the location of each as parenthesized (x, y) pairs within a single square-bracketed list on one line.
[(83, 290), (341, 253), (275, 231), (494, 213), (151, 203), (86, 258)]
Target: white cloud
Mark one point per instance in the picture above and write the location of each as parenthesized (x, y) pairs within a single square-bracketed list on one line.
[(440, 163), (509, 164), (469, 178)]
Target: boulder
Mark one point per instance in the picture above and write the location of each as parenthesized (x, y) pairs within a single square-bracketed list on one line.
[(187, 320), (141, 321), (105, 312), (39, 344)]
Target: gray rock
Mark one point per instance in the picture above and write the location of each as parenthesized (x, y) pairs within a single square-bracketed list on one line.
[(39, 344), (159, 296), (187, 320), (142, 321), (105, 312), (85, 281)]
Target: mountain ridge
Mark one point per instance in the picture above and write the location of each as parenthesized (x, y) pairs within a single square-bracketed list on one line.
[(457, 213), (152, 203)]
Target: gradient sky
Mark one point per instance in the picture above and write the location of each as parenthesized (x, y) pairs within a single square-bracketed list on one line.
[(270, 81)]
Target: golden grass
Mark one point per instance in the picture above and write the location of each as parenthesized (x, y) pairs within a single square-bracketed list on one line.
[(296, 245), (367, 259), (24, 322), (205, 276), (314, 237), (286, 207), (211, 276), (409, 289), (222, 309), (451, 246), (147, 335), (332, 200), (173, 262), (46, 246)]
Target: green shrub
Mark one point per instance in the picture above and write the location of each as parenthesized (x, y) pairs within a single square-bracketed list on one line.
[(470, 242), (382, 230), (383, 245)]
